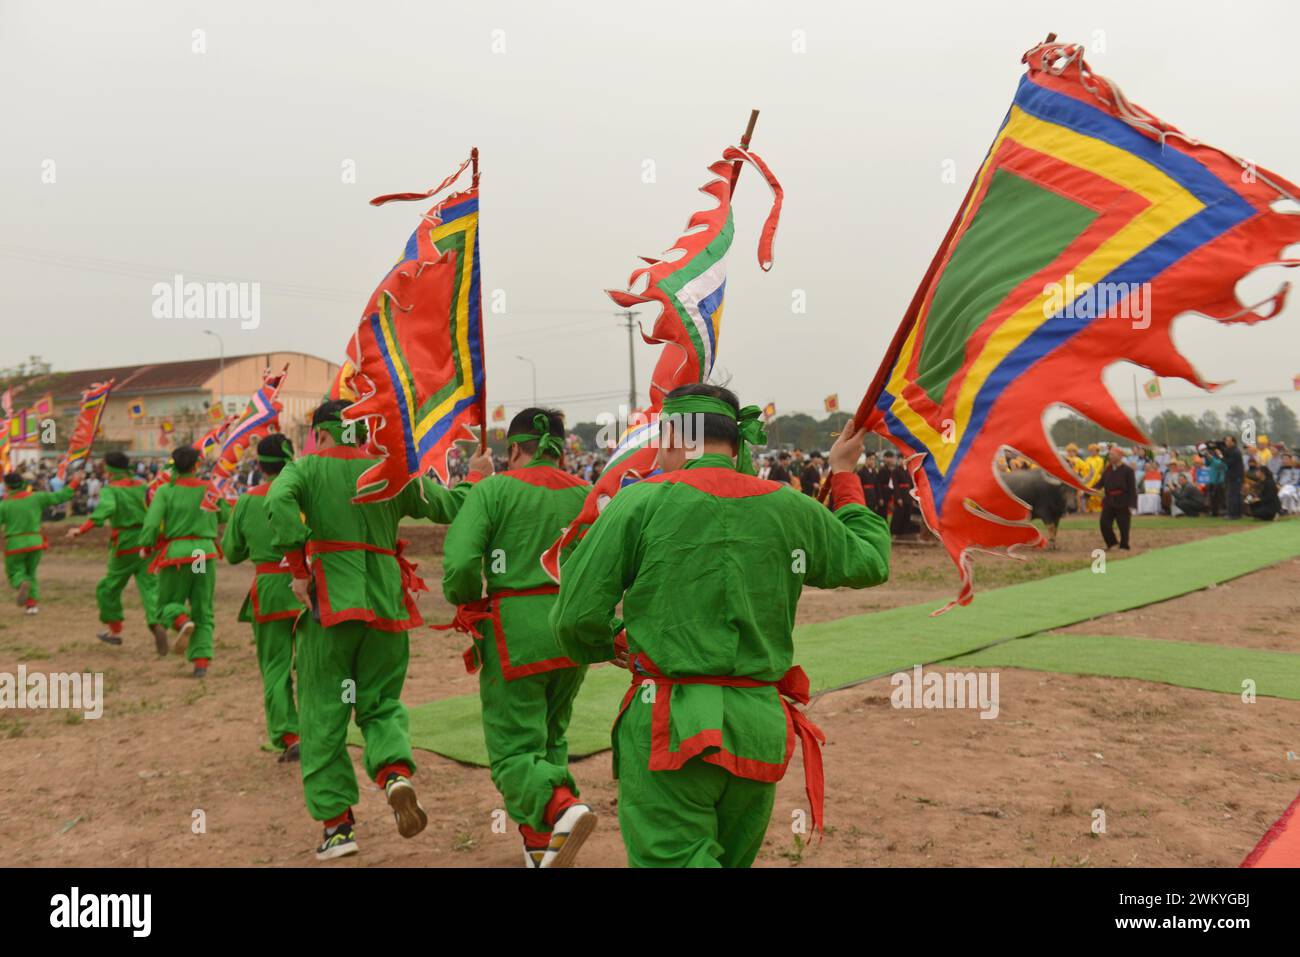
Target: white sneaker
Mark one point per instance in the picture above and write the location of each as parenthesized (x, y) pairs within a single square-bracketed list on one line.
[(183, 637), (410, 816), (32, 609), (571, 830)]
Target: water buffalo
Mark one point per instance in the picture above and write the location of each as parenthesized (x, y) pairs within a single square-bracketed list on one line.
[(1046, 497)]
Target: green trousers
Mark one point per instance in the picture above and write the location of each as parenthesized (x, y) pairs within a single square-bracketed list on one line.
[(183, 591), (697, 816), (349, 667), (21, 567), (524, 725), (121, 569), (274, 641)]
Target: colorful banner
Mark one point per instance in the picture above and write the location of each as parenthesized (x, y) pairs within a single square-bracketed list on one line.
[(418, 351), (261, 417), (86, 427), (689, 290), (1090, 225)]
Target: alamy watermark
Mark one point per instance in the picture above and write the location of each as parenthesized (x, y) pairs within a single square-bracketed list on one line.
[(634, 424), (936, 690), (179, 299), (72, 691), (1130, 301)]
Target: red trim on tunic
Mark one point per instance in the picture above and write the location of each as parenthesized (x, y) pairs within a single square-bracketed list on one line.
[(545, 476), (160, 550), (127, 483), (268, 568), (191, 483), (258, 490), (410, 582), (471, 613), (720, 482), (846, 489), (45, 544)]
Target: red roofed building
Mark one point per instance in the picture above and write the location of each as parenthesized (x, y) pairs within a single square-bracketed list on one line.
[(177, 392)]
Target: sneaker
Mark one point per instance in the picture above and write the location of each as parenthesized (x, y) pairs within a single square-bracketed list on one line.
[(109, 638), (339, 841), (23, 591), (160, 641), (200, 671), (289, 754), (183, 637), (410, 816), (571, 830), (32, 609), (534, 856)]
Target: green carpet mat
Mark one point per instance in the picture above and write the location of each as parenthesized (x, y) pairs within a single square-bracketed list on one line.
[(1187, 664), (851, 650)]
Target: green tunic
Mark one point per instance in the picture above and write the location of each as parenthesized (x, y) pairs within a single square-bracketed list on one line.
[(122, 507), (526, 685), (179, 527), (355, 569), (20, 520), (248, 537), (709, 564)]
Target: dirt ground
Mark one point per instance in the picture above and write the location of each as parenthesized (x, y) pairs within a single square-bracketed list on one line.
[(1184, 777)]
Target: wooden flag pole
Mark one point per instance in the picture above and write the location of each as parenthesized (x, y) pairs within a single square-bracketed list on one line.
[(482, 399), (737, 166)]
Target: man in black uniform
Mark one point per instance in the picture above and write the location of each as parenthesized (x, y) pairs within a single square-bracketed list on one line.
[(868, 475), (896, 485), (1119, 495)]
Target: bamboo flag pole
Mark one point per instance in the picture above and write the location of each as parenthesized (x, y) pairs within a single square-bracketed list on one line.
[(737, 166)]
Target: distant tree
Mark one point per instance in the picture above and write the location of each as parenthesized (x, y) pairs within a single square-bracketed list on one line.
[(1211, 425), (1282, 423), (1081, 431)]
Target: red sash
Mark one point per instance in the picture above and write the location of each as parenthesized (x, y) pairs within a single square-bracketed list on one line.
[(160, 550), (411, 582), (470, 614), (793, 685)]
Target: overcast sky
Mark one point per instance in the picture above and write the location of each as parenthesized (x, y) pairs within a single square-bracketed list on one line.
[(231, 162)]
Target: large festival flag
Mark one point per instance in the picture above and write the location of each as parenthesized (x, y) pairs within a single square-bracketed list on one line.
[(1089, 227), (689, 287), (86, 427), (418, 352), (339, 389), (260, 418)]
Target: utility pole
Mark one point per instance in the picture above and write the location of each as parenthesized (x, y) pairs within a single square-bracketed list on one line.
[(630, 318)]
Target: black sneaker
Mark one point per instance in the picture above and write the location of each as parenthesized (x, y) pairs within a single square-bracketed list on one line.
[(200, 671), (339, 841), (109, 638), (291, 753)]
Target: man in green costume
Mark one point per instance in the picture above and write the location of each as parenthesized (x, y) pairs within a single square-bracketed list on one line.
[(352, 645), (270, 605), (709, 563), (20, 520), (184, 537), (121, 505), (526, 684)]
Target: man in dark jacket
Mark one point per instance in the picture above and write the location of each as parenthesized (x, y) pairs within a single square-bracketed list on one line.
[(1119, 496), (1234, 473)]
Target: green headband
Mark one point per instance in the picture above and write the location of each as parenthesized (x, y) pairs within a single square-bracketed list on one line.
[(748, 422), (547, 444), (334, 428), (276, 459), (118, 469)]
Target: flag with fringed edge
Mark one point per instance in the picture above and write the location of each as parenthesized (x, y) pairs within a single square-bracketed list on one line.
[(86, 427), (1089, 227), (689, 289), (418, 353), (261, 417)]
